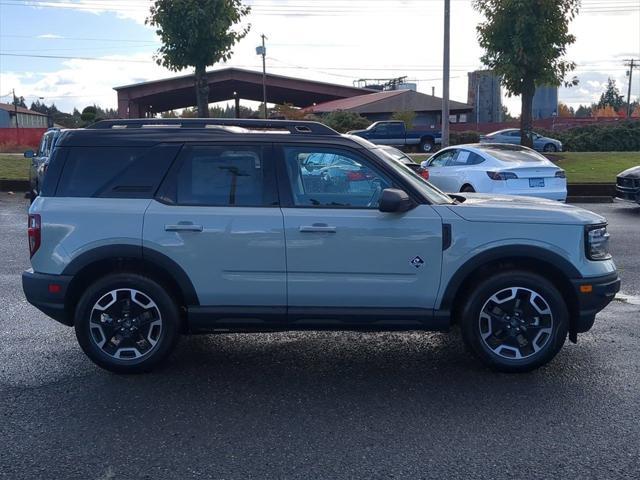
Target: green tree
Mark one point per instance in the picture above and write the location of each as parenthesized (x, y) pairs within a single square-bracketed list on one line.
[(584, 111), (19, 102), (197, 33), (90, 115), (611, 97), (344, 121), (525, 42), (408, 117)]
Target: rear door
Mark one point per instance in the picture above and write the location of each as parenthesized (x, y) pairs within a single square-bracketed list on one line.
[(217, 216), (344, 256)]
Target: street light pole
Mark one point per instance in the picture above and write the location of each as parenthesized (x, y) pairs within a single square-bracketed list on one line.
[(445, 74), (263, 51)]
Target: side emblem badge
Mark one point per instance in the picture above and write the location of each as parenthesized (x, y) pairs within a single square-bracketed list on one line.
[(417, 262)]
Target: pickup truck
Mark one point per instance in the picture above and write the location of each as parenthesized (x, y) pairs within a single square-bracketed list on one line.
[(396, 134)]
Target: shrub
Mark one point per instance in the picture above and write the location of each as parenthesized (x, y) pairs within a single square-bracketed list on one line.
[(344, 121), (618, 137), (460, 138)]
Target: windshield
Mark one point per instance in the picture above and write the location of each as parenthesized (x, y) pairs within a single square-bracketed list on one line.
[(434, 195)]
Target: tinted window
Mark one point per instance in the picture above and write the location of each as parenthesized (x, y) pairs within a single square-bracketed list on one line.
[(396, 129), (89, 170), (346, 181), (224, 176)]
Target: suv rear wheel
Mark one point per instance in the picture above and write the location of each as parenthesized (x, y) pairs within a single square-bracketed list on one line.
[(127, 323), (515, 321)]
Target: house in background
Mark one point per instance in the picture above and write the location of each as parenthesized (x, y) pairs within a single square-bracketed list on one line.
[(382, 105), (26, 118)]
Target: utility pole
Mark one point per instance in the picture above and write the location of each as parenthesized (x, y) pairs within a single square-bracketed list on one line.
[(15, 111), (445, 74), (263, 51), (631, 64)]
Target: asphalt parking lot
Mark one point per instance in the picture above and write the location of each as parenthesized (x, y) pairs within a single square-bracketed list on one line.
[(318, 405)]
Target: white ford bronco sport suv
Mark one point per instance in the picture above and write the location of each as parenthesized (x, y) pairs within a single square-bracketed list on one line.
[(148, 229)]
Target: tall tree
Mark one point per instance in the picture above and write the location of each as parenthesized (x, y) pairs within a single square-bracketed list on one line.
[(525, 42), (611, 96), (197, 33)]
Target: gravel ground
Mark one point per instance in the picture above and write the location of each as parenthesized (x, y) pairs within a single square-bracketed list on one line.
[(317, 405)]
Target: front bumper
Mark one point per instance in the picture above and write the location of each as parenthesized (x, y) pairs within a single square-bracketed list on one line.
[(593, 295), (49, 300), (628, 193)]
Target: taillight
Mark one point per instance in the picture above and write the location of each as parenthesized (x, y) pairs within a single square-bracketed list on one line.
[(502, 175), (34, 233), (424, 173), (358, 176), (561, 174)]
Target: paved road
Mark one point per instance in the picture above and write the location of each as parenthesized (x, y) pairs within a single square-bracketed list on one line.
[(317, 405)]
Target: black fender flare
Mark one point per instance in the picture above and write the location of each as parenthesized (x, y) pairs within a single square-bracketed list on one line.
[(143, 254), (546, 258)]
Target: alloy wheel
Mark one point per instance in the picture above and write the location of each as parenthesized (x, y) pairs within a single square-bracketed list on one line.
[(125, 324), (516, 323)]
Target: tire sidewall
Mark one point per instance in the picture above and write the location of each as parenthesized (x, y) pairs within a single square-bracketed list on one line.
[(165, 303), (470, 329)]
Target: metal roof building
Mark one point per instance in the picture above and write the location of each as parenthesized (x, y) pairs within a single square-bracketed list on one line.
[(382, 105), (143, 99)]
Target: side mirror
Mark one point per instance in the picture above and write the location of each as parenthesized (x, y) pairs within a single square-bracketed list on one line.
[(394, 200), (425, 164), (29, 154)]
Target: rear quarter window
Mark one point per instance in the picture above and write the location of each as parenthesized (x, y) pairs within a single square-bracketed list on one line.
[(114, 172)]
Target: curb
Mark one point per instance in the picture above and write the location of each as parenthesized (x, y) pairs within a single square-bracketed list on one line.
[(14, 185), (596, 199)]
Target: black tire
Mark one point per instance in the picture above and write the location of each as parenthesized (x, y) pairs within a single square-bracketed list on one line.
[(468, 189), (550, 147), (548, 336), (427, 145), (159, 329)]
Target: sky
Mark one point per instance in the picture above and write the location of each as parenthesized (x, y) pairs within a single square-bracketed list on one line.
[(73, 52)]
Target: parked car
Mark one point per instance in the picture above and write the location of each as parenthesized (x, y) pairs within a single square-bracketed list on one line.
[(40, 161), (512, 136), (395, 133), (497, 169), (628, 185), (141, 234), (404, 159)]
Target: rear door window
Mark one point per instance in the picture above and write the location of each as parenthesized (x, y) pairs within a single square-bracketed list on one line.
[(223, 175)]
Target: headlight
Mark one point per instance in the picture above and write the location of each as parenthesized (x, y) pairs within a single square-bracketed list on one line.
[(597, 242)]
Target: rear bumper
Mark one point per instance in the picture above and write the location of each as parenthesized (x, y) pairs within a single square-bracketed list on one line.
[(36, 287), (602, 291)]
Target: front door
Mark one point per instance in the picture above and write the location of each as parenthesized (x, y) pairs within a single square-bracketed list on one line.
[(218, 218), (346, 259)]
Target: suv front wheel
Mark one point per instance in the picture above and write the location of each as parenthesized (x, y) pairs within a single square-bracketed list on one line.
[(515, 321), (127, 323)]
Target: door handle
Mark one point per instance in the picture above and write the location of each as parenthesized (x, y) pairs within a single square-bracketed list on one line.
[(318, 228), (183, 227)]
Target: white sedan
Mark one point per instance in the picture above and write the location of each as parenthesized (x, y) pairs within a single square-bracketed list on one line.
[(496, 168)]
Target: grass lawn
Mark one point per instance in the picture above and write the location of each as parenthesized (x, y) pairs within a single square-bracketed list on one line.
[(587, 167), (597, 167), (14, 167)]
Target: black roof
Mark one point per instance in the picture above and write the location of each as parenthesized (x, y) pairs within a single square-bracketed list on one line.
[(147, 132)]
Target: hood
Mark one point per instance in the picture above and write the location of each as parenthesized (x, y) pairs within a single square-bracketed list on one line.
[(479, 207), (631, 172), (355, 132)]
